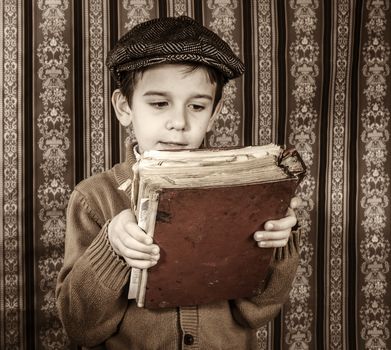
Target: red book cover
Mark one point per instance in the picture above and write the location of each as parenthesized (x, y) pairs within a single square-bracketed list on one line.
[(204, 225), (206, 241)]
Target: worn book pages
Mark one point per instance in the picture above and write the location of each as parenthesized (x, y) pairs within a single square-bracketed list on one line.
[(202, 208)]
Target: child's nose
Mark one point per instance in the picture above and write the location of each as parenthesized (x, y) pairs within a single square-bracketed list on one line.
[(177, 119)]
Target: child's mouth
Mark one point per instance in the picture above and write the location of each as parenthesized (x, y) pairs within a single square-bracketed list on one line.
[(172, 145)]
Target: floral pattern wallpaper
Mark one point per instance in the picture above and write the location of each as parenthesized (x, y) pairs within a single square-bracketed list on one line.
[(317, 78)]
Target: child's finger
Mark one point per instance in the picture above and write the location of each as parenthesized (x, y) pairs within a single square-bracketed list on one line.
[(137, 233), (295, 202), (273, 244), (136, 254), (140, 264), (131, 243), (290, 212), (260, 236), (282, 224)]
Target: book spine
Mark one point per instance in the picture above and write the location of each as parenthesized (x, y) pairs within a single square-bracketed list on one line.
[(135, 273), (150, 228)]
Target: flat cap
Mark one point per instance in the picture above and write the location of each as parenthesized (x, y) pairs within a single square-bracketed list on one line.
[(172, 40)]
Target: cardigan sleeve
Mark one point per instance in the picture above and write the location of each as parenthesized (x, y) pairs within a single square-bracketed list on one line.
[(267, 303), (91, 283)]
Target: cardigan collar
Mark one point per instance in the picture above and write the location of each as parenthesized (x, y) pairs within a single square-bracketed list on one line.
[(123, 172)]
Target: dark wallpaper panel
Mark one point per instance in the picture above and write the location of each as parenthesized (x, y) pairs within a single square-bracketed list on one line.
[(373, 178), (92, 85), (262, 73), (54, 155), (300, 126), (317, 78), (12, 300), (226, 21), (129, 14)]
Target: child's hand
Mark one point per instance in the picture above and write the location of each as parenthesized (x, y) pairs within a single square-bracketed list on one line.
[(131, 242), (277, 232)]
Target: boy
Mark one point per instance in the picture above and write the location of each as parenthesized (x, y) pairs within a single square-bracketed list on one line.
[(170, 74)]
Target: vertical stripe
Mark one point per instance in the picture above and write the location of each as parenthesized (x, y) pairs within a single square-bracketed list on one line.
[(264, 65), (2, 236), (114, 138), (11, 219), (79, 158), (198, 12), (337, 186), (264, 68), (130, 14), (28, 170), (282, 72), (225, 18), (302, 124), (177, 8), (162, 8), (106, 86), (247, 100), (323, 332), (262, 58), (265, 336), (20, 176), (353, 187), (53, 175), (374, 175), (277, 126), (96, 88)]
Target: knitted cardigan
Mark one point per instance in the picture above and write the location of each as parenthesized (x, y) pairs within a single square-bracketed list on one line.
[(93, 284)]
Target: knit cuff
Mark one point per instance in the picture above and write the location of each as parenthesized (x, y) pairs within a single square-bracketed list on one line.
[(290, 249), (111, 270)]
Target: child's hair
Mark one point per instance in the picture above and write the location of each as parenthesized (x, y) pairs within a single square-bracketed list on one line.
[(129, 80)]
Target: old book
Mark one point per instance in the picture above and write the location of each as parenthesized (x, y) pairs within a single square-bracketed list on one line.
[(202, 208)]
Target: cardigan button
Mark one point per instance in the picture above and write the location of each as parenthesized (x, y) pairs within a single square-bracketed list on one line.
[(188, 339)]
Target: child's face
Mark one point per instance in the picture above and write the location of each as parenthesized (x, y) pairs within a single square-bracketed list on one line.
[(172, 108)]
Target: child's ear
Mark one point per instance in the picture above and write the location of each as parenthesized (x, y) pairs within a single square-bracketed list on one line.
[(121, 108), (216, 112)]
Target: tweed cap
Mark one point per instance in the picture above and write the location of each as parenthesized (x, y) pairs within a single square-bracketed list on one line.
[(172, 40)]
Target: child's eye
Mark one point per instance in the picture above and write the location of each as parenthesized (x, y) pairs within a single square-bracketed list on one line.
[(159, 104), (197, 108)]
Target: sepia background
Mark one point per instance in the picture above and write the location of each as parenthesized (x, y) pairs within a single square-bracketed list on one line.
[(317, 78)]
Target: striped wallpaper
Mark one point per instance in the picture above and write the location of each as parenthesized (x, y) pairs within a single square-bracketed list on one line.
[(317, 78)]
